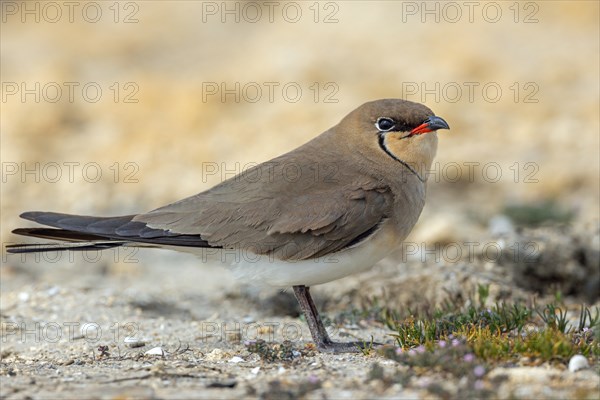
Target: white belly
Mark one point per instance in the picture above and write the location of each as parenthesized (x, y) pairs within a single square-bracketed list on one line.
[(265, 270)]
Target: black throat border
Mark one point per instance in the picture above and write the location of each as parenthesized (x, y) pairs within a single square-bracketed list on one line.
[(389, 153)]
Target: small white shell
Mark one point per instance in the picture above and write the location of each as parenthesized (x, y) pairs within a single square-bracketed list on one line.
[(578, 362), (236, 359), (156, 351)]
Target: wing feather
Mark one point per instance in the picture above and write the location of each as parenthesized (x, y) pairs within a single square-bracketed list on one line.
[(293, 219)]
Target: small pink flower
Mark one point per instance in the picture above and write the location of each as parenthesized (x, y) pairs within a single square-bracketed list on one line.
[(479, 371), (442, 343), (469, 357)]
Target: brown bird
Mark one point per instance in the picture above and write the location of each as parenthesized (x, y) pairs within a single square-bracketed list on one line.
[(330, 208)]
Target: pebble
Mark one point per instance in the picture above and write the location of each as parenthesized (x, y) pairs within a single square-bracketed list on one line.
[(578, 362), (501, 225), (89, 329), (236, 359), (133, 342), (156, 351), (255, 370), (216, 354)]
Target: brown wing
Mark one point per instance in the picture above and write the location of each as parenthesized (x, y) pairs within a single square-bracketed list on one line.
[(292, 207)]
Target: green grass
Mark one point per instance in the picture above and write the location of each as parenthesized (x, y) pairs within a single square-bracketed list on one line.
[(537, 214), (504, 332)]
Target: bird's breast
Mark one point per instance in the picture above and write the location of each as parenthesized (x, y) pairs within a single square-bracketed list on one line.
[(264, 270)]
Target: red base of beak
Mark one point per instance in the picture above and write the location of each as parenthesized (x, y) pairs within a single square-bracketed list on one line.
[(423, 128), (431, 124)]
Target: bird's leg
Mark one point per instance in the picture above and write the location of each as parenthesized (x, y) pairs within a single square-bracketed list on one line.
[(317, 330)]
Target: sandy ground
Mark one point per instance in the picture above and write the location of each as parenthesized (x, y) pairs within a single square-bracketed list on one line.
[(185, 102)]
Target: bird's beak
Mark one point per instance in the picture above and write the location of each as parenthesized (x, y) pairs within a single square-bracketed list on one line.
[(431, 124)]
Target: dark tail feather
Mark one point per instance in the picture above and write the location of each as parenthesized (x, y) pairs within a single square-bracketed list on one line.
[(37, 248), (98, 233), (104, 226), (62, 234), (77, 241)]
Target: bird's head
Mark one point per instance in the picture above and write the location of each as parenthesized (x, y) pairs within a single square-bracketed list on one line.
[(400, 130)]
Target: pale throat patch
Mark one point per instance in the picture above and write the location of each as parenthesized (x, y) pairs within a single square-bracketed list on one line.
[(412, 168)]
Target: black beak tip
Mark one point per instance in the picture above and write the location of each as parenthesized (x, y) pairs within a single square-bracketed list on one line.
[(434, 123)]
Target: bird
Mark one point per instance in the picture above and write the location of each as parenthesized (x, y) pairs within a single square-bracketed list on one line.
[(332, 207)]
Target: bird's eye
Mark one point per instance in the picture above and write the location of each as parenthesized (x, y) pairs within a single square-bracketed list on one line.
[(385, 124)]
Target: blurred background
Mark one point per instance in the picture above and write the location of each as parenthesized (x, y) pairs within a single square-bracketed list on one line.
[(113, 108)]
